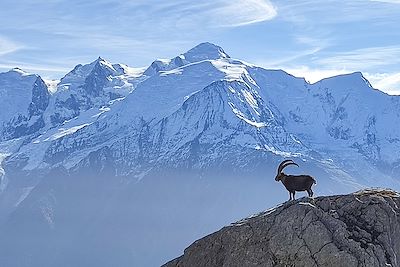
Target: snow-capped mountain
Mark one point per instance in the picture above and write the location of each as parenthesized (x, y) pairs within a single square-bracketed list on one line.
[(204, 51), (202, 131), (23, 99), (91, 86)]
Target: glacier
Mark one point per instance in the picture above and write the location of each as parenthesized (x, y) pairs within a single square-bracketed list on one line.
[(126, 166)]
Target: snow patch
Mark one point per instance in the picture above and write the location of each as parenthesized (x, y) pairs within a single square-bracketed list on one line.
[(51, 85), (63, 132), (176, 71), (307, 204), (231, 71), (241, 116)]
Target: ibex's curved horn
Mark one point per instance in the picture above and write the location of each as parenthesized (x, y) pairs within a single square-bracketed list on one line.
[(286, 163)]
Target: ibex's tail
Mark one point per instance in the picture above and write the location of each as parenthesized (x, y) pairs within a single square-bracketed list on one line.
[(314, 181)]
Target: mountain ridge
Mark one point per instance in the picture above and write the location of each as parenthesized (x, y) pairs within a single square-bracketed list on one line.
[(84, 108)]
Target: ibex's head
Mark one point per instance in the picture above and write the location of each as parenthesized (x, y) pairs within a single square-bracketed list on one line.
[(283, 165)]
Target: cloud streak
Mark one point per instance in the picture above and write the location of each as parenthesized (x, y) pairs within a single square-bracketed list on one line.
[(364, 58), (243, 12), (387, 1), (135, 15), (388, 82), (7, 46)]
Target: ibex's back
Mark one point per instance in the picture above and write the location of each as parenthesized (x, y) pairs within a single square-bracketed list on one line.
[(298, 182)]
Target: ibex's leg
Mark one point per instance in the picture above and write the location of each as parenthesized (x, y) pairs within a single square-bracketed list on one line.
[(310, 192), (294, 192), (290, 195)]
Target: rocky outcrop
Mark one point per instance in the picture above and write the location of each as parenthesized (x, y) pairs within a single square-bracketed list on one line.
[(359, 229)]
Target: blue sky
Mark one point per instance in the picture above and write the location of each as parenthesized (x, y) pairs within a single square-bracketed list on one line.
[(310, 38)]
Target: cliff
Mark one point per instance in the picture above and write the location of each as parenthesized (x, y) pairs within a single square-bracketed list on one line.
[(359, 229)]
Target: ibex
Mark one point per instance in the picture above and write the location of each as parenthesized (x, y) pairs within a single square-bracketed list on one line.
[(294, 183)]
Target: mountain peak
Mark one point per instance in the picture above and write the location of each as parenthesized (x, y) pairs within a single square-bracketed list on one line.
[(205, 51), (16, 69), (19, 71), (17, 74), (103, 63), (80, 72)]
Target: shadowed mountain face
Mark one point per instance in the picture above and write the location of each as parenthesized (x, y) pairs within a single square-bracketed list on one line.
[(360, 229), (24, 98), (143, 161)]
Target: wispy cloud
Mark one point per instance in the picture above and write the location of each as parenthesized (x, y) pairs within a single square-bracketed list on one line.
[(333, 12), (136, 15), (387, 1), (216, 13), (364, 58), (287, 60), (387, 82), (243, 12), (7, 46)]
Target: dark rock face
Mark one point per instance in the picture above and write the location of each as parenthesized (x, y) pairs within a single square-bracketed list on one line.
[(40, 98), (360, 229), (96, 80)]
